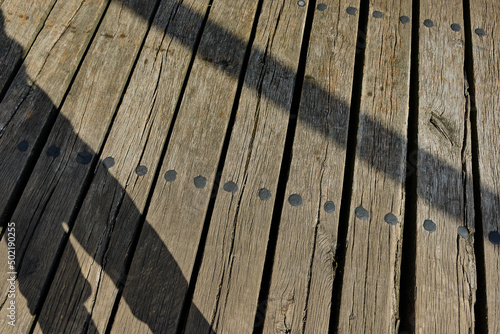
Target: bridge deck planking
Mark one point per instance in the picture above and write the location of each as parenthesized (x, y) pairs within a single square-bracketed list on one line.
[(91, 272)]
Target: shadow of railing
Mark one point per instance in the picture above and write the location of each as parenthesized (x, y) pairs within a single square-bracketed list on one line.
[(230, 66), (164, 293)]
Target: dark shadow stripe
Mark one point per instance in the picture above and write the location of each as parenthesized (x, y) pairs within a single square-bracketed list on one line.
[(337, 137), (444, 168), (38, 146), (89, 177)]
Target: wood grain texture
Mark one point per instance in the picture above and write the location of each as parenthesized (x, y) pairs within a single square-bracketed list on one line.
[(370, 289), (113, 206), (229, 279), (91, 273), (177, 211), (445, 261), (39, 87), (20, 22), (486, 15), (304, 268), (46, 206)]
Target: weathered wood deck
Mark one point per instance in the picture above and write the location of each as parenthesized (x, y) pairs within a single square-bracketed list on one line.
[(235, 166)]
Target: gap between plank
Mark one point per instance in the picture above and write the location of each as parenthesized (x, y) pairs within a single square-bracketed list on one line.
[(345, 205), (137, 232), (220, 166), (408, 257), (260, 313), (480, 307)]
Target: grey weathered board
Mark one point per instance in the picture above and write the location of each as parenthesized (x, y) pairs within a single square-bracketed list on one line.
[(445, 261), (48, 200), (304, 269), (177, 211), (485, 15), (86, 284), (370, 288), (20, 22), (40, 85), (112, 208), (229, 280)]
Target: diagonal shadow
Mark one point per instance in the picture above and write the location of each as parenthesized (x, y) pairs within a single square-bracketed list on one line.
[(162, 296), (165, 291), (374, 156)]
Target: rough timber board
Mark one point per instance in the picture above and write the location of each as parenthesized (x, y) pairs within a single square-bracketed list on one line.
[(178, 209), (228, 282), (40, 85), (486, 15), (370, 289), (48, 201), (20, 21), (111, 211), (445, 269), (316, 173)]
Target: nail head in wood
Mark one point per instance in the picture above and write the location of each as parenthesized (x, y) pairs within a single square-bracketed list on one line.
[(321, 7), (329, 207), (108, 162), (463, 232), (361, 213), (351, 10), (141, 170), (230, 187), (428, 23), (83, 157), (264, 194), (494, 237), (54, 151), (200, 182), (429, 226), (23, 146), (404, 19), (295, 200), (391, 219), (480, 32), (170, 175)]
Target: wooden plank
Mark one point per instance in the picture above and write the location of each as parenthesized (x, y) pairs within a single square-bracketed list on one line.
[(485, 15), (20, 22), (40, 85), (304, 268), (111, 211), (370, 289), (48, 201), (229, 279), (178, 209), (445, 263)]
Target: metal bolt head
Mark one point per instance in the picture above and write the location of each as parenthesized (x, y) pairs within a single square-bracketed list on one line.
[(404, 19), (351, 10), (428, 23), (480, 32), (456, 27)]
